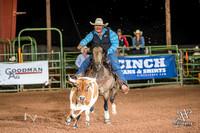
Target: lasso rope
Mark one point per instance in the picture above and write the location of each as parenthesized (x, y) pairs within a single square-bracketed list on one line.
[(187, 69)]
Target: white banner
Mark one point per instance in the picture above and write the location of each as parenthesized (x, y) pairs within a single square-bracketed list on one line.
[(36, 72)]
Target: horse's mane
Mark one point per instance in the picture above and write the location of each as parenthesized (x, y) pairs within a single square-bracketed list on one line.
[(98, 45), (104, 59)]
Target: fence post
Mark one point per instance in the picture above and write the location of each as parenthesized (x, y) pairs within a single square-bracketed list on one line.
[(181, 67)]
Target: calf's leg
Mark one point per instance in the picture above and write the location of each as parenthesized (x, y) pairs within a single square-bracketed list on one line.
[(75, 124), (87, 120), (69, 117)]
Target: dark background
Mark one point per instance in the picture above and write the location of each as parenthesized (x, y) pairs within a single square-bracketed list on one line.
[(146, 15)]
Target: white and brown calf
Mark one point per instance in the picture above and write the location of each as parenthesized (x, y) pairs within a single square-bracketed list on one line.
[(82, 97)]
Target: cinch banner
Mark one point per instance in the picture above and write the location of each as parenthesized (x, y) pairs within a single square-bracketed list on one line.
[(148, 67), (24, 73)]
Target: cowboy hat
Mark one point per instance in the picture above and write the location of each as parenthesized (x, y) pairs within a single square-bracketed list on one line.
[(119, 30), (99, 21), (196, 47), (85, 47), (12, 59), (138, 32)]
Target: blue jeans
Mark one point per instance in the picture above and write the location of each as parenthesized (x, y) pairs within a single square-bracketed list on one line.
[(141, 51), (113, 62)]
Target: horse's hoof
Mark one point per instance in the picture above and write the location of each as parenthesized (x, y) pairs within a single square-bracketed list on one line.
[(87, 123), (108, 121), (75, 126)]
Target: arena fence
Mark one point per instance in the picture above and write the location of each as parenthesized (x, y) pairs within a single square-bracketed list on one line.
[(190, 66), (70, 68), (55, 61), (61, 64), (55, 70), (7, 45), (69, 65), (28, 41)]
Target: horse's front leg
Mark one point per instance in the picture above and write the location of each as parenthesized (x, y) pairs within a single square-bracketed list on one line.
[(112, 99), (106, 112), (114, 111)]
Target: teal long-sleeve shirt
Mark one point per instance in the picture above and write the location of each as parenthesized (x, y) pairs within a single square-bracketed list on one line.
[(113, 39)]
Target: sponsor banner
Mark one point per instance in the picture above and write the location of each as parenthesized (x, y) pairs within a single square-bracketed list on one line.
[(24, 73), (148, 67)]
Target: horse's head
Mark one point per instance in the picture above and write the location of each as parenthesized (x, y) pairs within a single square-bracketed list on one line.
[(98, 57)]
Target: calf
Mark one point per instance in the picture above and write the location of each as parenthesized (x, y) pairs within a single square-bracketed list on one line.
[(83, 95)]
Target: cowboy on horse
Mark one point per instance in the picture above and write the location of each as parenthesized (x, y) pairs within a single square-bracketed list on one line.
[(108, 40)]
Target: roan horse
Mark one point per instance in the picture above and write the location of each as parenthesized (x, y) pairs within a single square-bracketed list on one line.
[(105, 80)]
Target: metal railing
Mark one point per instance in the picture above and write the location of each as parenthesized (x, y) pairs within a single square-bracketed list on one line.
[(61, 64), (55, 61), (70, 57), (190, 63), (61, 46), (55, 70)]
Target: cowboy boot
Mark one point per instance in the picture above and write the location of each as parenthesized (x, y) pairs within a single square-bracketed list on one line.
[(124, 87)]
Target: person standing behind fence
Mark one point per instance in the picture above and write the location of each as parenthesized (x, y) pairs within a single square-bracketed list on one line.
[(82, 57), (138, 42), (122, 39), (122, 42)]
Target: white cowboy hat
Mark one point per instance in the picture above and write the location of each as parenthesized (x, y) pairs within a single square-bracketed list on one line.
[(138, 32), (196, 47), (99, 21), (85, 47), (12, 59)]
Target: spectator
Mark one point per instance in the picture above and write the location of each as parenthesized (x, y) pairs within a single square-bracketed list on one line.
[(12, 59), (138, 42), (196, 51), (122, 42), (197, 59), (82, 56)]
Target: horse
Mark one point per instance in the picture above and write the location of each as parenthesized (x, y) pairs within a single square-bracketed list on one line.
[(106, 80)]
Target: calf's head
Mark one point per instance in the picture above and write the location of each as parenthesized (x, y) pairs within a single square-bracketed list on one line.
[(83, 88)]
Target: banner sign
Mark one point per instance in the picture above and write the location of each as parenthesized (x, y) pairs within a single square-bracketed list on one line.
[(24, 73), (148, 67)]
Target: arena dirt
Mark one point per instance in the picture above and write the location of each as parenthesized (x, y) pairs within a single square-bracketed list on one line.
[(141, 110)]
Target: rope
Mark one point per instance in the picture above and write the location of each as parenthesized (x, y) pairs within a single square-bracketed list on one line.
[(74, 20), (187, 69)]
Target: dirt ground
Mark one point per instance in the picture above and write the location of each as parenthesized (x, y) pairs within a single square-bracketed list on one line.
[(141, 110)]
